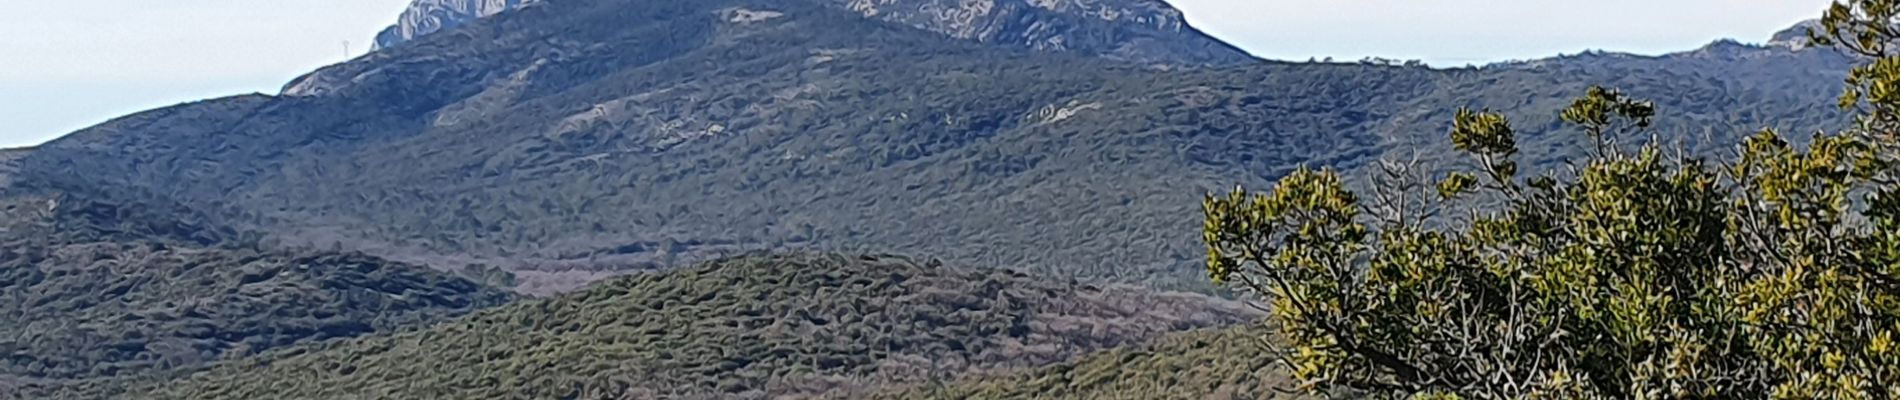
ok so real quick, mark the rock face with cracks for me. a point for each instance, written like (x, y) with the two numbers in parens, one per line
(1147, 31)
(430, 16)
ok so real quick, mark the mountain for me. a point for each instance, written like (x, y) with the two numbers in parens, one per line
(1795, 37)
(290, 245)
(579, 139)
(430, 16)
(1148, 31)
(771, 326)
(97, 291)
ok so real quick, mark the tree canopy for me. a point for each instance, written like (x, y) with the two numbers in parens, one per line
(1635, 272)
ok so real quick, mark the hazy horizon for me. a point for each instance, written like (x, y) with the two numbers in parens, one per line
(92, 60)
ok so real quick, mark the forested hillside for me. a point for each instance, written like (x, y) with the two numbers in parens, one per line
(1226, 364)
(94, 291)
(579, 139)
(748, 327)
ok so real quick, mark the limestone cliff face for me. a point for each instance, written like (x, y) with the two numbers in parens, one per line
(1795, 37)
(1147, 31)
(1134, 30)
(429, 16)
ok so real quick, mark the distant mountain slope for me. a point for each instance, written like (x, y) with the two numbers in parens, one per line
(750, 327)
(579, 139)
(95, 291)
(1130, 30)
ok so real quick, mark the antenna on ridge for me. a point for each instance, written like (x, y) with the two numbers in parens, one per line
(346, 49)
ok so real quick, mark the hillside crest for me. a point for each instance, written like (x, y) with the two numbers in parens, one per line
(1149, 31)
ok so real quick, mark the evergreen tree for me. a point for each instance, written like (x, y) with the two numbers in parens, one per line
(1635, 273)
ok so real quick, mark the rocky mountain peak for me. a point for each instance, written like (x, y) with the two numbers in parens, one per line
(424, 17)
(1132, 30)
(1796, 36)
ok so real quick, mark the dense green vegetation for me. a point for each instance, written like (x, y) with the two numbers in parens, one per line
(1229, 363)
(749, 327)
(106, 309)
(92, 291)
(583, 137)
(1650, 273)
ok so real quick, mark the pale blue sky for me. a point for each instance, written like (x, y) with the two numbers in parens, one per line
(68, 64)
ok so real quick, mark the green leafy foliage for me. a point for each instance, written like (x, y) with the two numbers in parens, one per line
(1631, 275)
(749, 327)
